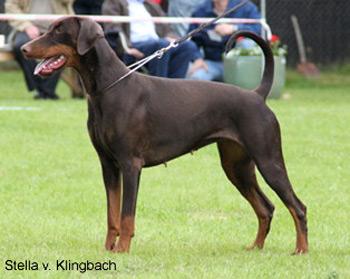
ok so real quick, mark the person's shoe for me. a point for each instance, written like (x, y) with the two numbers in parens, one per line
(53, 96)
(39, 96)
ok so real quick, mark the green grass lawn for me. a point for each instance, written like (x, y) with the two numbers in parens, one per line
(191, 223)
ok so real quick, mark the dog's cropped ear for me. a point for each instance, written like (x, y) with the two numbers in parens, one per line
(89, 32)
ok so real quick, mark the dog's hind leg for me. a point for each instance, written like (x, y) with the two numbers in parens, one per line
(240, 170)
(265, 145)
(275, 174)
(112, 181)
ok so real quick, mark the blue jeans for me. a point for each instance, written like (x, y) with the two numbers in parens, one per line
(216, 68)
(215, 71)
(173, 64)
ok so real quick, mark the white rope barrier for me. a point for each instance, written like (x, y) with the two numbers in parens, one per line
(126, 19)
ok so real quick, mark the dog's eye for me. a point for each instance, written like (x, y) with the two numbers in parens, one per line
(58, 29)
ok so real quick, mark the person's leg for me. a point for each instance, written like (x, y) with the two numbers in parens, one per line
(128, 59)
(27, 65)
(84, 7)
(180, 59)
(80, 7)
(48, 86)
(156, 67)
(215, 72)
(245, 43)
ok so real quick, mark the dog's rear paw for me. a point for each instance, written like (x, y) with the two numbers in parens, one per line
(255, 246)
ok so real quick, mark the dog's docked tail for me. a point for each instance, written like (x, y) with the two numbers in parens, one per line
(267, 79)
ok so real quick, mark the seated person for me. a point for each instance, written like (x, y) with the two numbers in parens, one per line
(29, 30)
(182, 8)
(142, 38)
(213, 39)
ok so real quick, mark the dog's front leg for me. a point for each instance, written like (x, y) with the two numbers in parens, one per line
(111, 177)
(131, 178)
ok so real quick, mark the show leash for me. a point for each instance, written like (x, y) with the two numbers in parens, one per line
(137, 65)
(159, 53)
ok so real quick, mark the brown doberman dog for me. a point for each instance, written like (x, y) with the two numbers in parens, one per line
(143, 121)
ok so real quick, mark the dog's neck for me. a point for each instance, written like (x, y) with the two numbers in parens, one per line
(100, 67)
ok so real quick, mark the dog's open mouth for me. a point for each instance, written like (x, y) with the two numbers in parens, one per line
(47, 66)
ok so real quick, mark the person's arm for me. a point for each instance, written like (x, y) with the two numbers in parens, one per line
(225, 29)
(17, 7)
(162, 30)
(115, 8)
(251, 11)
(68, 6)
(117, 38)
(199, 38)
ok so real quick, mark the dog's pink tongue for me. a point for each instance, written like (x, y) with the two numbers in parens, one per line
(47, 66)
(43, 67)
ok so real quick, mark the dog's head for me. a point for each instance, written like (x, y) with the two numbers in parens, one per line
(66, 40)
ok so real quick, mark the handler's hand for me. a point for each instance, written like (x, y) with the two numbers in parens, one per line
(197, 65)
(32, 32)
(170, 39)
(135, 52)
(225, 29)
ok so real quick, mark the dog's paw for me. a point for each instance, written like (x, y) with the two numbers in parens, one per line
(110, 241)
(119, 248)
(122, 245)
(300, 251)
(109, 246)
(255, 246)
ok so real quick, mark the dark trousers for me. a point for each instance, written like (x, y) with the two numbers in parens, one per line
(87, 7)
(45, 87)
(173, 64)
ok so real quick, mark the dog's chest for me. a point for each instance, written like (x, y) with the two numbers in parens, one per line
(102, 130)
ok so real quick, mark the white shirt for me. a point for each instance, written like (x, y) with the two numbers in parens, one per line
(141, 30)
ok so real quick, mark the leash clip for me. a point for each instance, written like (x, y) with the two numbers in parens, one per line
(161, 52)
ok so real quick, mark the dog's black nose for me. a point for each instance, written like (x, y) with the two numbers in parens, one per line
(26, 48)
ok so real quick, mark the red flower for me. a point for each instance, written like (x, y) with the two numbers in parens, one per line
(274, 39)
